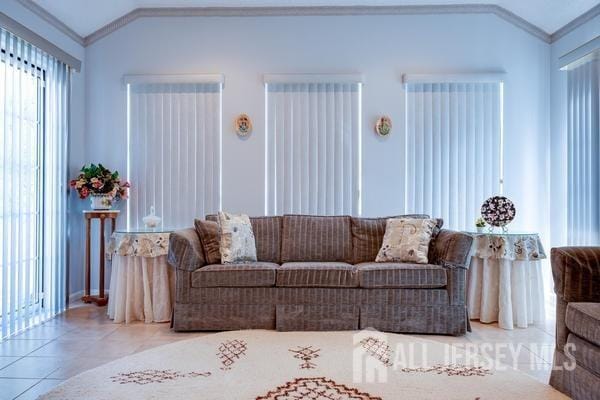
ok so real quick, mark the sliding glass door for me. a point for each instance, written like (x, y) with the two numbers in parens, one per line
(34, 109)
(21, 126)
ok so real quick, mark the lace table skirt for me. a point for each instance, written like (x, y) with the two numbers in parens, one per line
(141, 289)
(505, 280)
(510, 292)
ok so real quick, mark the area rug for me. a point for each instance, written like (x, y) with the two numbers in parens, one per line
(269, 365)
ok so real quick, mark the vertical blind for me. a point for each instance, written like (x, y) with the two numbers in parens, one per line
(583, 175)
(453, 148)
(34, 102)
(174, 151)
(313, 148)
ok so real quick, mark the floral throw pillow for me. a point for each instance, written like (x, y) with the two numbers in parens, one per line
(406, 240)
(237, 239)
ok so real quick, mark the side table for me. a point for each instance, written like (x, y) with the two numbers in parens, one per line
(504, 281)
(142, 286)
(102, 215)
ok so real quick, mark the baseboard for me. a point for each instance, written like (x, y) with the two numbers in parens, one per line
(75, 297)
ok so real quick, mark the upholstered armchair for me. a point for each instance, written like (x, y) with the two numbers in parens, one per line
(576, 370)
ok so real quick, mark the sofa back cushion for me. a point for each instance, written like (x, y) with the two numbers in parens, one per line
(367, 235)
(267, 235)
(316, 238)
(208, 231)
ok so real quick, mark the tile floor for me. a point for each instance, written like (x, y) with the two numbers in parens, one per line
(83, 338)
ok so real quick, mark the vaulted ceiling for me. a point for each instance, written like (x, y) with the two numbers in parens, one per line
(87, 16)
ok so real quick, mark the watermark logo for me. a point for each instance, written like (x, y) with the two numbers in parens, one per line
(371, 357)
(375, 355)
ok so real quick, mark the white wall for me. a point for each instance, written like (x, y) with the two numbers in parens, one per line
(77, 154)
(380, 47)
(558, 119)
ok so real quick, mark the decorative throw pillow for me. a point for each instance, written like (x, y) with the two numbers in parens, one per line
(210, 239)
(237, 239)
(406, 240)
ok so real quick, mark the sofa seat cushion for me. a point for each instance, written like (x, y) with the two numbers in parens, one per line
(399, 275)
(583, 319)
(317, 274)
(585, 353)
(255, 274)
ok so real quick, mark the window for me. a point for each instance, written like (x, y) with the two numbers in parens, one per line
(33, 135)
(20, 202)
(453, 146)
(174, 148)
(583, 173)
(313, 145)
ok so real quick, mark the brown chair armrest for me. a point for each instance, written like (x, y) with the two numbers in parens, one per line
(576, 272)
(185, 250)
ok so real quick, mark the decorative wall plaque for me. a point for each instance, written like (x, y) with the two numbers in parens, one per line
(383, 127)
(243, 125)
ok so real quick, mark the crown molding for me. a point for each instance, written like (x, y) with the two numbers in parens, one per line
(30, 36)
(316, 11)
(576, 23)
(52, 20)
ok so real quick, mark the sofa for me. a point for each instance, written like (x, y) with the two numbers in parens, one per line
(318, 273)
(576, 369)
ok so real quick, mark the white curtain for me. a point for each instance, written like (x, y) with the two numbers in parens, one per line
(34, 112)
(453, 149)
(583, 122)
(174, 151)
(313, 148)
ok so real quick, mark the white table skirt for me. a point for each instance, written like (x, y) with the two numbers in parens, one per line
(508, 291)
(141, 289)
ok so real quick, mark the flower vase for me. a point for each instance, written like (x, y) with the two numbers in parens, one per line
(101, 201)
(479, 229)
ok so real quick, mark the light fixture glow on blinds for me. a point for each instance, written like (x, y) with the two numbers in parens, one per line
(453, 148)
(174, 148)
(313, 147)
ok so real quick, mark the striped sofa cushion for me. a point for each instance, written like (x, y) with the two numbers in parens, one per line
(317, 274)
(367, 236)
(583, 319)
(267, 235)
(316, 238)
(255, 274)
(398, 275)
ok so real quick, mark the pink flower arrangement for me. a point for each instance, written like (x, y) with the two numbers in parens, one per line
(95, 179)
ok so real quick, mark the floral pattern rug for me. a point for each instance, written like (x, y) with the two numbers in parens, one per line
(269, 365)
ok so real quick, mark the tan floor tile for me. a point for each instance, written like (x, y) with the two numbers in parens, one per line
(544, 351)
(44, 331)
(16, 348)
(137, 331)
(89, 332)
(540, 372)
(63, 348)
(44, 386)
(31, 367)
(11, 388)
(150, 344)
(75, 366)
(4, 361)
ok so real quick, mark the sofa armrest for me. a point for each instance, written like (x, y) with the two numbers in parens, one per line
(451, 249)
(576, 272)
(185, 250)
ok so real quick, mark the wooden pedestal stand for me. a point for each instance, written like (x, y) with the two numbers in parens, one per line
(89, 215)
